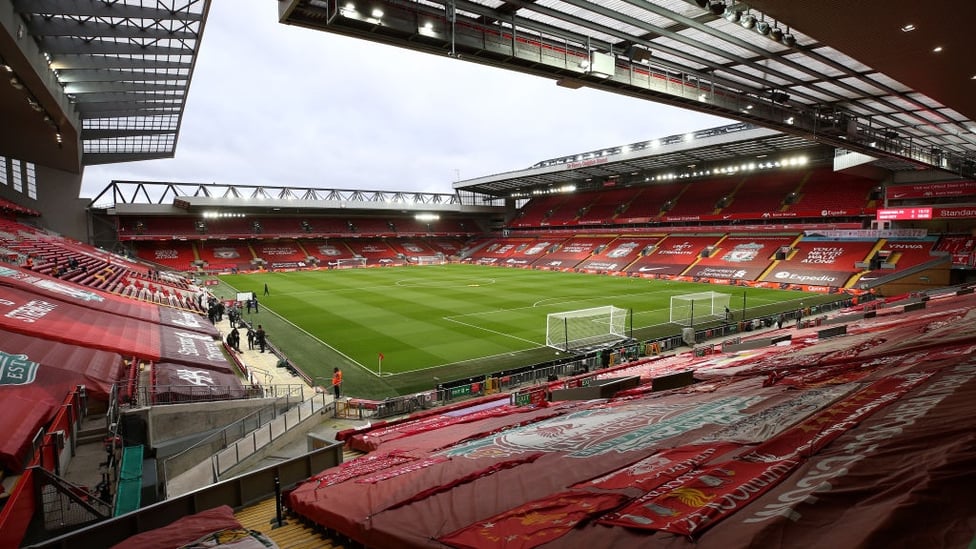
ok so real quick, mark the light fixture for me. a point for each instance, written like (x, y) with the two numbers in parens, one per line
(377, 13)
(16, 83)
(937, 49)
(776, 34)
(748, 21)
(717, 7)
(908, 28)
(788, 39)
(762, 27)
(732, 15)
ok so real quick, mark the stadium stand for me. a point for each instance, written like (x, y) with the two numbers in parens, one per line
(281, 254)
(225, 255)
(673, 255)
(859, 420)
(759, 194)
(741, 257)
(619, 253)
(702, 198)
(649, 202)
(822, 262)
(962, 249)
(569, 253)
(826, 193)
(606, 205)
(376, 251)
(178, 255)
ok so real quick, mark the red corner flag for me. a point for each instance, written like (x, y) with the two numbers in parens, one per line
(381, 356)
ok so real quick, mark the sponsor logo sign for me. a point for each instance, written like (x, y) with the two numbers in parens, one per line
(17, 369)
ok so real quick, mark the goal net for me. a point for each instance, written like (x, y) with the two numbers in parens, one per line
(582, 328)
(429, 259)
(689, 309)
(348, 262)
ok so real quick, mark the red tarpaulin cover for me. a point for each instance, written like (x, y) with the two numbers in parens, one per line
(53, 288)
(35, 377)
(763, 454)
(179, 383)
(39, 316)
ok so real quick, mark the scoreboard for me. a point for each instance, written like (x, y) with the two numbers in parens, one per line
(895, 214)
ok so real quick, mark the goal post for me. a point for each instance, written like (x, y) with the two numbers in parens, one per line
(689, 309)
(349, 262)
(582, 328)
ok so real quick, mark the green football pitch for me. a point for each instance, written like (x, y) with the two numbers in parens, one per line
(452, 321)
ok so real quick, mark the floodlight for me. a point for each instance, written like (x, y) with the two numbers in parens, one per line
(762, 28)
(732, 15)
(748, 21)
(776, 34)
(717, 7)
(788, 39)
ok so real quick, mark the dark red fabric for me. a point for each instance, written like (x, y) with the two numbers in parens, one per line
(881, 451)
(35, 315)
(51, 288)
(35, 377)
(184, 530)
(181, 383)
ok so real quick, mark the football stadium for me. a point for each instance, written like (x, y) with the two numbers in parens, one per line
(757, 334)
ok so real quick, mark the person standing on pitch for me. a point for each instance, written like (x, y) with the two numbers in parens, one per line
(336, 381)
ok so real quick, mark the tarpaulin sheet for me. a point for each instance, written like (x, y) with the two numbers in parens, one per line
(181, 383)
(884, 457)
(35, 377)
(31, 314)
(51, 288)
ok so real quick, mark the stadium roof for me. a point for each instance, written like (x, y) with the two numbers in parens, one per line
(893, 81)
(112, 75)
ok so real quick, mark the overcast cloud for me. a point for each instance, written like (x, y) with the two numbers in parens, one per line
(271, 104)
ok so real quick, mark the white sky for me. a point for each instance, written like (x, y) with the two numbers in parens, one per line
(271, 104)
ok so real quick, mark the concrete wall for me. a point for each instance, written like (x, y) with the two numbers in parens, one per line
(178, 421)
(57, 200)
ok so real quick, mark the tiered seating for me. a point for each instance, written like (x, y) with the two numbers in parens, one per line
(169, 227)
(536, 212)
(225, 254)
(176, 254)
(822, 262)
(673, 255)
(281, 226)
(763, 193)
(376, 251)
(895, 255)
(12, 208)
(701, 198)
(374, 227)
(571, 252)
(606, 205)
(619, 253)
(570, 209)
(741, 257)
(281, 254)
(327, 252)
(447, 246)
(231, 226)
(962, 249)
(411, 247)
(649, 202)
(828, 194)
(500, 252)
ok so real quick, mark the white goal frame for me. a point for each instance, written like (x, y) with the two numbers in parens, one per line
(350, 262)
(582, 328)
(429, 259)
(691, 309)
